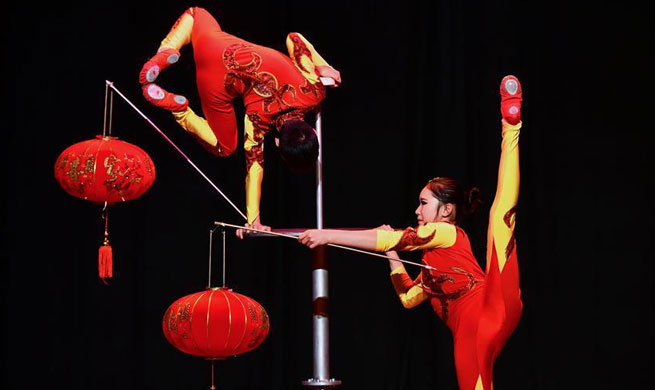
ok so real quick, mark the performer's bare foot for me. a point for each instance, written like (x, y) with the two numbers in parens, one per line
(511, 96)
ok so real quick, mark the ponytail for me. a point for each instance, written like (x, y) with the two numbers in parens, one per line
(473, 202)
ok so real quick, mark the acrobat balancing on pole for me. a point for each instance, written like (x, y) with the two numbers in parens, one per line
(277, 91)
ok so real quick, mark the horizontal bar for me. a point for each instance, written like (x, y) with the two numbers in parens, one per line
(295, 232)
(224, 225)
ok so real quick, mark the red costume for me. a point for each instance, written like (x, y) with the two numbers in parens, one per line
(482, 309)
(274, 88)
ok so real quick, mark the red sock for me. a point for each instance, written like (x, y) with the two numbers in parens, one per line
(510, 99)
(161, 98)
(156, 64)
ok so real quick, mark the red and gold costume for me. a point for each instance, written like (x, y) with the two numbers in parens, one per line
(274, 88)
(481, 309)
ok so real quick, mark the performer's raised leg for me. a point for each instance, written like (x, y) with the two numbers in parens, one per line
(501, 308)
(501, 245)
(167, 54)
(217, 133)
(209, 43)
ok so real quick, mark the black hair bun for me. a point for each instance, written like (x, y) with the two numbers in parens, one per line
(473, 201)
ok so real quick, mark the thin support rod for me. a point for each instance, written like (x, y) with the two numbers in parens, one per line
(223, 224)
(223, 257)
(104, 118)
(111, 85)
(111, 110)
(211, 239)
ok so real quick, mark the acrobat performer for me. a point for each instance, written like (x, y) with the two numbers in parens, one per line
(277, 92)
(482, 309)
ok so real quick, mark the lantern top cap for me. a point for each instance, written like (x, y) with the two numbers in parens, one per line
(219, 288)
(106, 137)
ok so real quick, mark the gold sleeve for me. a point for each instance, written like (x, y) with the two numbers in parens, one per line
(304, 56)
(254, 149)
(180, 34)
(431, 235)
(410, 294)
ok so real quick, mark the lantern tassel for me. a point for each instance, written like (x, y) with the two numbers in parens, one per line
(212, 387)
(105, 261)
(105, 255)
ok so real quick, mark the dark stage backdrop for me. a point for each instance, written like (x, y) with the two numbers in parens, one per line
(419, 99)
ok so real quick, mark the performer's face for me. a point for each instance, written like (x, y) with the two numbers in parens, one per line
(428, 207)
(431, 209)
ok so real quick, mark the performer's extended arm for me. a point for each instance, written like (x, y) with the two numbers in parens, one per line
(254, 151)
(428, 236)
(431, 235)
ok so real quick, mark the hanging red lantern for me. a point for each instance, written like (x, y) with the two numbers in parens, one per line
(105, 170)
(215, 324)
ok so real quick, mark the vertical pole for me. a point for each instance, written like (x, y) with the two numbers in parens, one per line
(320, 276)
(320, 301)
(319, 172)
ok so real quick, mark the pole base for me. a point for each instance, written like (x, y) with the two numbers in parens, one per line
(321, 383)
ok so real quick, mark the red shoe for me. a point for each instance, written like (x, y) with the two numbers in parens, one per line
(156, 64)
(511, 96)
(161, 98)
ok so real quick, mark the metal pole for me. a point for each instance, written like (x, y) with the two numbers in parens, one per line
(320, 301)
(319, 172)
(320, 276)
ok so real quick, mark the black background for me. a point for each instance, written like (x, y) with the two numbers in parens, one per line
(419, 99)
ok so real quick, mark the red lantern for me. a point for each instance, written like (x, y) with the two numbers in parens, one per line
(105, 169)
(215, 324)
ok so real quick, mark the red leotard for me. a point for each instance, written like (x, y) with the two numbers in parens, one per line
(274, 88)
(482, 309)
(227, 67)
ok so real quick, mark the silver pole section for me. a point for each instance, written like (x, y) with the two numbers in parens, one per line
(319, 172)
(320, 276)
(320, 302)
